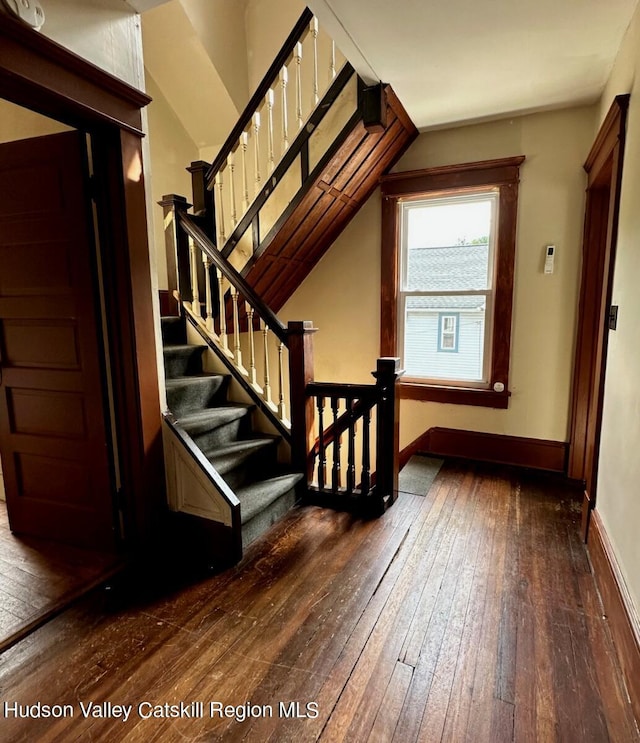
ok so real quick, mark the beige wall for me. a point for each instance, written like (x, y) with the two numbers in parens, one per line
(619, 466)
(20, 123)
(105, 32)
(171, 151)
(342, 295)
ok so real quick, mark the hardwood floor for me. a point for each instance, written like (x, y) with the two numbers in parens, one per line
(466, 615)
(38, 578)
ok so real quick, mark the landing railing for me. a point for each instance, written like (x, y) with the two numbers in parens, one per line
(331, 428)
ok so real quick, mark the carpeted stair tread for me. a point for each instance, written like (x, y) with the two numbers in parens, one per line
(210, 418)
(257, 496)
(227, 458)
(188, 394)
(182, 360)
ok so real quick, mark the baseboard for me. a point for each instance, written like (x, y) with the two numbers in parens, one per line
(618, 607)
(490, 447)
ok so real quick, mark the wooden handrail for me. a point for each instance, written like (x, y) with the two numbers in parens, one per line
(208, 247)
(245, 118)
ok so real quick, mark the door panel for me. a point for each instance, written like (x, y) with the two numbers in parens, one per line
(53, 438)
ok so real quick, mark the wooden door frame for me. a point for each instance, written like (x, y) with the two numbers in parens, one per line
(604, 180)
(41, 75)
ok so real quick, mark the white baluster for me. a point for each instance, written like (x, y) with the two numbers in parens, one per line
(332, 62)
(282, 410)
(195, 291)
(256, 142)
(266, 390)
(244, 143)
(313, 27)
(269, 98)
(232, 188)
(297, 55)
(221, 230)
(224, 339)
(284, 80)
(252, 347)
(236, 330)
(208, 295)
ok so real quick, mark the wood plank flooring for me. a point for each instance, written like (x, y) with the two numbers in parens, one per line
(38, 578)
(468, 614)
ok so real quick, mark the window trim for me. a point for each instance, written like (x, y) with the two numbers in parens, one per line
(502, 174)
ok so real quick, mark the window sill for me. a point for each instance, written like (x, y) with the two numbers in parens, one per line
(487, 398)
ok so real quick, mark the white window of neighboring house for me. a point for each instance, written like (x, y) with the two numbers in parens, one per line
(447, 246)
(448, 257)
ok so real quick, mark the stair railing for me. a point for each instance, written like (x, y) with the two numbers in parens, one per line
(343, 471)
(274, 363)
(269, 145)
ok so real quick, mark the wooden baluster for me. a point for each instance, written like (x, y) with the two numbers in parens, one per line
(224, 339)
(297, 55)
(335, 471)
(282, 408)
(313, 27)
(208, 294)
(221, 228)
(232, 188)
(176, 246)
(332, 62)
(252, 347)
(365, 484)
(351, 456)
(269, 101)
(244, 144)
(266, 390)
(195, 289)
(237, 351)
(256, 149)
(284, 80)
(322, 452)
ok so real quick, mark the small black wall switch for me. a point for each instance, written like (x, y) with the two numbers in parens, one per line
(613, 317)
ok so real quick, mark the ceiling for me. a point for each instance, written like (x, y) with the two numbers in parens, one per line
(454, 61)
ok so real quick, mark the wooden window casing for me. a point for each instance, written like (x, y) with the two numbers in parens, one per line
(452, 180)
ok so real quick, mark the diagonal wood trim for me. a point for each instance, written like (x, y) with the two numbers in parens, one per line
(618, 607)
(489, 447)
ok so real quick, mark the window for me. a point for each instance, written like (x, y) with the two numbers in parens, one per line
(447, 332)
(447, 279)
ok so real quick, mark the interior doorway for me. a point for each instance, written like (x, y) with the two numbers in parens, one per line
(58, 521)
(604, 171)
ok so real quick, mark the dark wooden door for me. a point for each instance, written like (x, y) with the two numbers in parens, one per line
(53, 433)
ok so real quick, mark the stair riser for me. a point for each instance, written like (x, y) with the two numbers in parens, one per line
(223, 434)
(266, 518)
(264, 461)
(189, 398)
(174, 332)
(183, 363)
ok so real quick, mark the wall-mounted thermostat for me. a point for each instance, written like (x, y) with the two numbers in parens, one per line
(28, 11)
(549, 257)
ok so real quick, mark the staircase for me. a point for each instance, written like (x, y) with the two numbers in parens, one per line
(222, 430)
(261, 220)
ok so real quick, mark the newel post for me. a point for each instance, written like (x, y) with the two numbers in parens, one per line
(387, 374)
(176, 246)
(203, 199)
(300, 335)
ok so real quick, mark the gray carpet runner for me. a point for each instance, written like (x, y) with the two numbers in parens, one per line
(222, 430)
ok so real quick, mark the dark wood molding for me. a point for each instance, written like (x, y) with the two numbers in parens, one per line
(604, 174)
(168, 304)
(502, 173)
(489, 447)
(618, 607)
(486, 398)
(40, 74)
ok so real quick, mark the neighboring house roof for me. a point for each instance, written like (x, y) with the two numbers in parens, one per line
(442, 304)
(452, 268)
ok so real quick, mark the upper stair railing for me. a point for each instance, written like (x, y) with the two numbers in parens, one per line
(269, 154)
